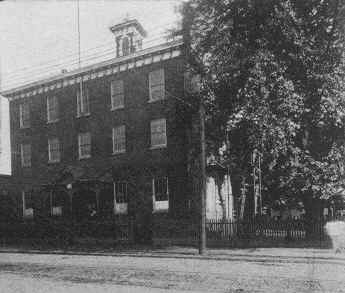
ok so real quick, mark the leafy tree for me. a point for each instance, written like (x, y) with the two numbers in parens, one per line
(273, 80)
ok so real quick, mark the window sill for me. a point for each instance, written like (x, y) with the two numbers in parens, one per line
(52, 121)
(24, 127)
(160, 211)
(156, 147)
(153, 101)
(53, 162)
(85, 157)
(83, 115)
(118, 153)
(117, 108)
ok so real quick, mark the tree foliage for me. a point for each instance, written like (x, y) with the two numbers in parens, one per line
(273, 78)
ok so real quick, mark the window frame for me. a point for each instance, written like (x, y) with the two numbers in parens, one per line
(80, 146)
(152, 124)
(25, 162)
(160, 205)
(83, 100)
(161, 84)
(51, 141)
(120, 207)
(119, 128)
(28, 213)
(24, 115)
(55, 109)
(113, 94)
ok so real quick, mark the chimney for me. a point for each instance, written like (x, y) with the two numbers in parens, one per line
(129, 35)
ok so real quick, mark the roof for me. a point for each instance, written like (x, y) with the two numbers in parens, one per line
(150, 55)
(127, 23)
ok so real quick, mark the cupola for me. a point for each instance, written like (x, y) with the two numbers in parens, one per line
(129, 36)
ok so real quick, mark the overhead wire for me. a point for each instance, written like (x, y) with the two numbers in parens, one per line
(86, 59)
(165, 32)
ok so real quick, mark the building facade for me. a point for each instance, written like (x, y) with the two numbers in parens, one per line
(108, 139)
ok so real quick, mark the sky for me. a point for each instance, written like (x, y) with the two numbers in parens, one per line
(40, 38)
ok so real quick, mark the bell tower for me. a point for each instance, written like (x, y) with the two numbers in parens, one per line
(129, 35)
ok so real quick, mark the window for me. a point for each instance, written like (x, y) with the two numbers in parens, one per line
(160, 193)
(83, 104)
(117, 94)
(52, 109)
(84, 145)
(53, 150)
(125, 46)
(119, 139)
(24, 115)
(120, 197)
(158, 133)
(156, 84)
(27, 201)
(25, 151)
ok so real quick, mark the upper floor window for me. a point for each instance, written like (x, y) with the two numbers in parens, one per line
(83, 103)
(119, 139)
(25, 153)
(84, 145)
(158, 133)
(24, 115)
(157, 85)
(52, 109)
(160, 193)
(117, 94)
(53, 150)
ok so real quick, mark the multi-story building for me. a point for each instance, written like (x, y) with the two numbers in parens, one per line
(107, 138)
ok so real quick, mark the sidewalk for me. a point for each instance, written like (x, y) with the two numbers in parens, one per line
(259, 254)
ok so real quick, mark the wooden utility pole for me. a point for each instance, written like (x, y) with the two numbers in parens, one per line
(202, 236)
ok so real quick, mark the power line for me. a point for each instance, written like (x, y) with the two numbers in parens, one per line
(47, 68)
(74, 54)
(92, 57)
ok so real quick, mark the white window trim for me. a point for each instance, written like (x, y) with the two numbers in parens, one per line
(164, 206)
(122, 151)
(112, 107)
(49, 151)
(159, 146)
(81, 157)
(49, 120)
(150, 91)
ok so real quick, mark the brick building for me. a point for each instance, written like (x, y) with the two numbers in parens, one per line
(106, 139)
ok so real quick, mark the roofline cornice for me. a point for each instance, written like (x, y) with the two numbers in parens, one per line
(143, 57)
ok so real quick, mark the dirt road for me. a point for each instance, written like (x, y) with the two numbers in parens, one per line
(237, 273)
